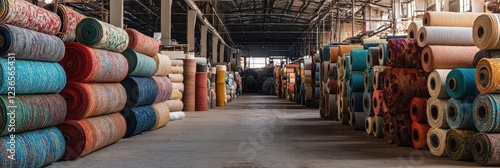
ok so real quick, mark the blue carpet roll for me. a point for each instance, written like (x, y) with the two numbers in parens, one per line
(461, 83)
(460, 114)
(139, 119)
(357, 82)
(487, 113)
(356, 102)
(140, 91)
(367, 103)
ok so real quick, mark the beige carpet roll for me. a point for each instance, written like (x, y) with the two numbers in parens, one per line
(178, 86)
(178, 78)
(176, 95)
(450, 19)
(163, 64)
(436, 113)
(447, 57)
(436, 83)
(162, 114)
(177, 62)
(488, 75)
(436, 140)
(342, 88)
(174, 105)
(308, 64)
(486, 32)
(477, 6)
(373, 40)
(440, 35)
(413, 29)
(308, 73)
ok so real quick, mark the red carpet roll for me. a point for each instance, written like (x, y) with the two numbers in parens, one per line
(400, 85)
(189, 85)
(88, 135)
(201, 96)
(418, 109)
(403, 53)
(27, 15)
(142, 43)
(291, 88)
(86, 100)
(69, 18)
(85, 64)
(164, 88)
(419, 135)
(378, 103)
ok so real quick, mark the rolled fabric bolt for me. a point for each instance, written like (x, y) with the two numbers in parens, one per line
(459, 144)
(488, 76)
(443, 19)
(368, 77)
(369, 122)
(448, 36)
(436, 112)
(382, 53)
(436, 83)
(419, 135)
(413, 29)
(371, 58)
(485, 149)
(378, 103)
(486, 112)
(377, 79)
(485, 54)
(485, 32)
(367, 103)
(358, 59)
(461, 83)
(436, 141)
(460, 114)
(378, 125)
(447, 57)
(418, 108)
(356, 82)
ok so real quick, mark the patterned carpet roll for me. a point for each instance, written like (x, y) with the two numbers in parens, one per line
(85, 64)
(142, 43)
(401, 85)
(488, 76)
(139, 64)
(485, 54)
(201, 102)
(459, 144)
(27, 15)
(378, 125)
(460, 114)
(403, 53)
(140, 91)
(139, 119)
(162, 113)
(97, 34)
(69, 18)
(378, 103)
(189, 94)
(486, 149)
(164, 86)
(486, 111)
(85, 100)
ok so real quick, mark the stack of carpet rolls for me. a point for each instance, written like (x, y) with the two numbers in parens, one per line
(308, 81)
(268, 86)
(328, 105)
(221, 85)
(372, 42)
(317, 78)
(372, 52)
(301, 78)
(277, 81)
(30, 105)
(177, 78)
(298, 95)
(344, 75)
(230, 87)
(355, 83)
(290, 82)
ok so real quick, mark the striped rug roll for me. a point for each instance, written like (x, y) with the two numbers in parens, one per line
(162, 113)
(27, 15)
(176, 95)
(175, 105)
(98, 34)
(85, 64)
(30, 45)
(164, 90)
(88, 135)
(189, 94)
(176, 78)
(69, 19)
(85, 100)
(140, 91)
(178, 86)
(139, 119)
(32, 149)
(142, 43)
(32, 77)
(163, 64)
(28, 110)
(201, 102)
(139, 64)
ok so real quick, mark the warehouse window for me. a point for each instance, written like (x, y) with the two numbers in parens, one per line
(256, 62)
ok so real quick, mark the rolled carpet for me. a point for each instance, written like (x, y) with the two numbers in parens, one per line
(189, 94)
(85, 100)
(403, 53)
(28, 148)
(446, 36)
(174, 105)
(69, 19)
(201, 98)
(488, 76)
(459, 144)
(436, 112)
(486, 149)
(461, 83)
(23, 113)
(436, 83)
(176, 69)
(334, 54)
(372, 56)
(177, 63)
(413, 29)
(485, 54)
(142, 43)
(343, 112)
(403, 136)
(333, 106)
(419, 135)
(356, 102)
(85, 64)
(378, 125)
(377, 77)
(401, 85)
(449, 19)
(369, 123)
(31, 77)
(98, 34)
(485, 32)
(164, 90)
(367, 103)
(179, 115)
(139, 119)
(139, 64)
(358, 59)
(460, 114)
(30, 16)
(358, 121)
(348, 71)
(436, 141)
(418, 109)
(447, 57)
(346, 49)
(162, 113)
(378, 103)
(140, 91)
(88, 135)
(382, 53)
(221, 87)
(333, 88)
(178, 86)
(176, 78)
(367, 80)
(389, 127)
(486, 112)
(163, 64)
(356, 82)
(30, 45)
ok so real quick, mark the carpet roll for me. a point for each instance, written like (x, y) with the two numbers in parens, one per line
(356, 82)
(418, 109)
(348, 71)
(378, 103)
(419, 135)
(163, 65)
(488, 76)
(459, 144)
(291, 89)
(343, 116)
(358, 59)
(436, 112)
(176, 95)
(485, 32)
(30, 16)
(139, 119)
(69, 19)
(221, 88)
(401, 85)
(382, 53)
(317, 91)
(485, 151)
(461, 83)
(372, 56)
(485, 54)
(413, 29)
(358, 121)
(175, 105)
(29, 147)
(368, 77)
(179, 115)
(325, 53)
(177, 78)
(367, 103)
(436, 83)
(460, 114)
(346, 49)
(88, 135)
(446, 36)
(449, 19)
(332, 106)
(30, 45)
(403, 53)
(23, 113)
(202, 68)
(139, 64)
(164, 90)
(403, 136)
(85, 100)
(141, 43)
(377, 77)
(176, 69)
(162, 113)
(178, 86)
(213, 98)
(31, 77)
(97, 34)
(334, 54)
(140, 91)
(447, 57)
(356, 102)
(333, 89)
(436, 141)
(189, 94)
(325, 73)
(389, 127)
(378, 125)
(369, 123)
(309, 93)
(181, 63)
(486, 109)
(85, 64)
(201, 98)
(317, 67)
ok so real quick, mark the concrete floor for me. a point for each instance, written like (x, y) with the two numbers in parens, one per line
(258, 131)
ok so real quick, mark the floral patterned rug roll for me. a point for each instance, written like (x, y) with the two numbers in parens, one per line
(486, 149)
(459, 144)
(400, 85)
(27, 15)
(70, 19)
(403, 53)
(142, 43)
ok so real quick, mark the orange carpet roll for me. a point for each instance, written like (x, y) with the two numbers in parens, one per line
(419, 135)
(418, 109)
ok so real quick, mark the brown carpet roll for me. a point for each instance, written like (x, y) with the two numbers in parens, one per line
(486, 32)
(190, 84)
(447, 57)
(485, 54)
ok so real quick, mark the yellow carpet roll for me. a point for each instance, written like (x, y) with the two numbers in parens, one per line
(488, 75)
(221, 94)
(176, 95)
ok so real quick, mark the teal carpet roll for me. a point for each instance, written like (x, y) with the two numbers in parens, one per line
(358, 59)
(460, 114)
(382, 53)
(347, 64)
(97, 34)
(487, 113)
(357, 82)
(139, 64)
(368, 79)
(461, 83)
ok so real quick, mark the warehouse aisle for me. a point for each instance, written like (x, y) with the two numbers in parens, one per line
(257, 131)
